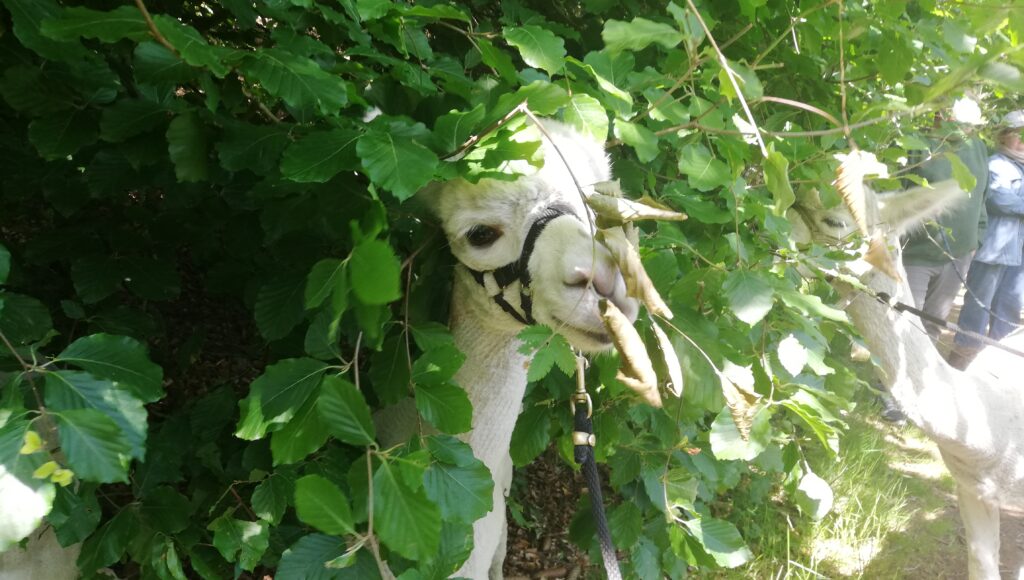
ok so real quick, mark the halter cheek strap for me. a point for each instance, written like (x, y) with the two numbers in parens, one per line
(518, 270)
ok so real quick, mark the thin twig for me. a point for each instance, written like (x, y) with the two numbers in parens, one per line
(686, 75)
(153, 29)
(800, 105)
(474, 139)
(11, 348)
(732, 78)
(382, 566)
(816, 133)
(792, 26)
(842, 80)
(242, 503)
(259, 105)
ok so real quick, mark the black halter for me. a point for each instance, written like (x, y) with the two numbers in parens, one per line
(519, 270)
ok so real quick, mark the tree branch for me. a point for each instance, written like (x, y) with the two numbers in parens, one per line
(153, 29)
(732, 78)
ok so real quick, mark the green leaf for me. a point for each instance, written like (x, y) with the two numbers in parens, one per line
(437, 365)
(373, 9)
(776, 175)
(123, 22)
(747, 79)
(30, 90)
(68, 390)
(279, 392)
(531, 435)
(345, 411)
(964, 178)
(130, 117)
(539, 47)
(638, 35)
(325, 278)
(303, 434)
(396, 163)
(118, 358)
(727, 443)
(271, 498)
(720, 539)
(703, 172)
(808, 304)
(154, 64)
(497, 59)
(446, 406)
(307, 558)
(320, 503)
(448, 449)
(319, 156)
(188, 147)
(455, 128)
(63, 133)
(587, 115)
(750, 295)
(253, 147)
(296, 80)
(375, 273)
(640, 138)
(462, 492)
(27, 15)
(23, 319)
(556, 350)
(814, 496)
(390, 373)
(191, 45)
(247, 540)
(93, 445)
(166, 510)
(408, 523)
(109, 543)
(280, 305)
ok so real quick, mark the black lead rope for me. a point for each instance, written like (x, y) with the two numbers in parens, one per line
(901, 307)
(583, 452)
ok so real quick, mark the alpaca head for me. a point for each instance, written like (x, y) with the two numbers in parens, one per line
(526, 249)
(882, 217)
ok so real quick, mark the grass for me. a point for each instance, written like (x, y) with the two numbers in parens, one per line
(894, 514)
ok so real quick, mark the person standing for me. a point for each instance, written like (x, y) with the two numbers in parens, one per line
(937, 258)
(995, 283)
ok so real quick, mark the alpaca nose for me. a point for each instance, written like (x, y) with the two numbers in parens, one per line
(601, 273)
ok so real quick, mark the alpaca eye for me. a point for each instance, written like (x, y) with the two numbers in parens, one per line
(483, 236)
(833, 223)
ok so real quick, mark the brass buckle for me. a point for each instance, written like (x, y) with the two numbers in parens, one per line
(581, 395)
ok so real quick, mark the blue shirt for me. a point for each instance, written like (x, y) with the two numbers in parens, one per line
(1004, 240)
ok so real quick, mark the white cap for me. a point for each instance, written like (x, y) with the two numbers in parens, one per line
(967, 111)
(1013, 120)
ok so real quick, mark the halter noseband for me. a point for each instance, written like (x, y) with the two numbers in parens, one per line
(519, 270)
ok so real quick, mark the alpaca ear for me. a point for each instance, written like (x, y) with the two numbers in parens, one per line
(429, 197)
(905, 210)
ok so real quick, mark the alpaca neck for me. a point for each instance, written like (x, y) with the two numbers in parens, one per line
(916, 374)
(493, 375)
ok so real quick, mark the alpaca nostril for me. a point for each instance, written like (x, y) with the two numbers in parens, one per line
(578, 278)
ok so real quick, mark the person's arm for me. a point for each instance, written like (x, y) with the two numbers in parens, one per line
(1005, 195)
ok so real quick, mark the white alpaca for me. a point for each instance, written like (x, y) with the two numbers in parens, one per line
(487, 225)
(976, 421)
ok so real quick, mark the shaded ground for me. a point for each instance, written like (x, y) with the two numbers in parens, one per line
(540, 510)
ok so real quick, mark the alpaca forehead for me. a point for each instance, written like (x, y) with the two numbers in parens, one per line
(490, 202)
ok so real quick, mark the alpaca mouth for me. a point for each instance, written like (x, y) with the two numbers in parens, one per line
(599, 337)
